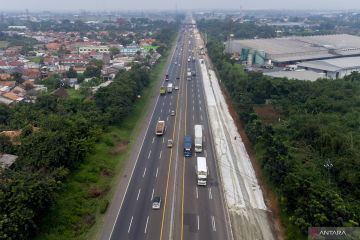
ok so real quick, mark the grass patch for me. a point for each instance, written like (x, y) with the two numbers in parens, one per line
(88, 191)
(4, 44)
(74, 93)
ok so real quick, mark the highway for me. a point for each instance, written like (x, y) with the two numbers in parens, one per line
(187, 211)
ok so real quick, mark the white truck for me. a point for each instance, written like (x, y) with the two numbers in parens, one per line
(188, 76)
(198, 138)
(169, 87)
(201, 171)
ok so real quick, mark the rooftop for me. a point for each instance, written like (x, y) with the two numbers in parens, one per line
(302, 48)
(333, 65)
(6, 160)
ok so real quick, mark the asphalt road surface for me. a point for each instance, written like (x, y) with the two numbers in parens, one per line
(187, 211)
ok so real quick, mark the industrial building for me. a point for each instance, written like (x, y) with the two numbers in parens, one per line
(291, 50)
(333, 68)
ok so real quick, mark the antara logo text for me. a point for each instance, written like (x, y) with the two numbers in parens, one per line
(316, 232)
(332, 233)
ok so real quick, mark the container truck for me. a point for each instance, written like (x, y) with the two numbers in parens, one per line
(169, 87)
(201, 171)
(198, 138)
(160, 128)
(187, 146)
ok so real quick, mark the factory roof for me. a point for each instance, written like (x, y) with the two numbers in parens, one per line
(333, 65)
(298, 48)
(298, 75)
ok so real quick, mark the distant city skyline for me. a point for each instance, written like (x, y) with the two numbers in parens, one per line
(93, 5)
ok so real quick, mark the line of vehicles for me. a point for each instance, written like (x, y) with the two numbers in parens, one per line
(201, 166)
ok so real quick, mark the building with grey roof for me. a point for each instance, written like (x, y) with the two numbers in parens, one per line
(6, 160)
(333, 68)
(290, 50)
(297, 75)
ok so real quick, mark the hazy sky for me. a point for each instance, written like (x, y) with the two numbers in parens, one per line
(170, 4)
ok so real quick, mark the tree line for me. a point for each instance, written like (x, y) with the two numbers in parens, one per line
(57, 136)
(310, 152)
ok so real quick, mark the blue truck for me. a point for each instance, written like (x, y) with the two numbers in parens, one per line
(187, 146)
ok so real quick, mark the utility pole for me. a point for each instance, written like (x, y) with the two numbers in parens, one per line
(328, 165)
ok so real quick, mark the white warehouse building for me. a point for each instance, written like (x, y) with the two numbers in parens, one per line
(333, 68)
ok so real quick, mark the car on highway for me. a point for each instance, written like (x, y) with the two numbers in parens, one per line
(156, 202)
(172, 113)
(169, 143)
(176, 87)
(177, 78)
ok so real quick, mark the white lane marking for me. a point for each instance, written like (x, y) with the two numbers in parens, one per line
(153, 140)
(144, 172)
(163, 140)
(200, 109)
(205, 153)
(194, 108)
(137, 198)
(132, 217)
(193, 102)
(159, 118)
(147, 220)
(157, 170)
(198, 222)
(193, 118)
(201, 117)
(213, 223)
(149, 154)
(170, 104)
(161, 110)
(160, 154)
(167, 118)
(197, 193)
(136, 162)
(210, 195)
(152, 194)
(163, 103)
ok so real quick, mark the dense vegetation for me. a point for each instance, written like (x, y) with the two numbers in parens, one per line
(57, 137)
(309, 144)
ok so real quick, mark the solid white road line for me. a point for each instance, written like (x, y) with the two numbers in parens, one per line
(197, 193)
(213, 223)
(149, 154)
(157, 170)
(147, 220)
(160, 154)
(152, 195)
(210, 195)
(132, 217)
(137, 198)
(198, 222)
(144, 172)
